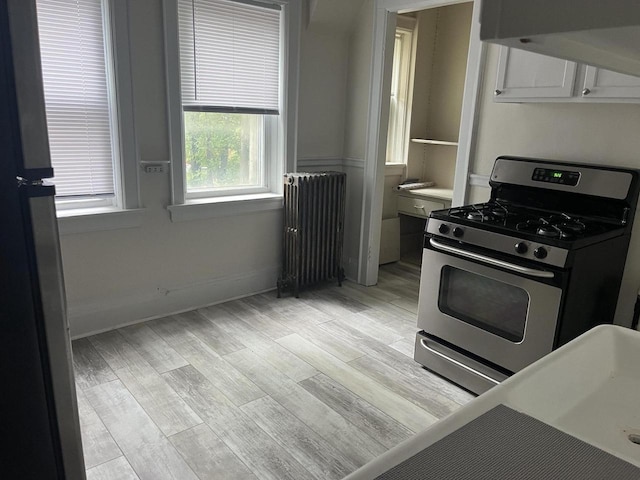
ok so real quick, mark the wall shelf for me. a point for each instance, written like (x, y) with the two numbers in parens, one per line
(434, 142)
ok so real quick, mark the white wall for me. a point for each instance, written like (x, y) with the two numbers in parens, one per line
(447, 87)
(359, 79)
(356, 118)
(426, 30)
(323, 90)
(441, 60)
(122, 276)
(589, 133)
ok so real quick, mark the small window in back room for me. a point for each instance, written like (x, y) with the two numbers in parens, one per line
(398, 134)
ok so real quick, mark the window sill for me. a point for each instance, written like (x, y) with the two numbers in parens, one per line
(203, 208)
(83, 220)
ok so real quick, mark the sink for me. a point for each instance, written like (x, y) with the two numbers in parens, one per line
(589, 388)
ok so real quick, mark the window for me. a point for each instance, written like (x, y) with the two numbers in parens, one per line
(230, 64)
(83, 122)
(398, 134)
(232, 58)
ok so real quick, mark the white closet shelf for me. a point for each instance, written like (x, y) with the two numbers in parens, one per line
(434, 142)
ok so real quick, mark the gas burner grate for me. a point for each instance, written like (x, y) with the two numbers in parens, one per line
(563, 227)
(544, 224)
(492, 212)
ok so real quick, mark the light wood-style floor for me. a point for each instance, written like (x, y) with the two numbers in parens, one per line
(260, 388)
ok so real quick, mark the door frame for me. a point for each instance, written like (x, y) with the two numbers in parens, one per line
(384, 18)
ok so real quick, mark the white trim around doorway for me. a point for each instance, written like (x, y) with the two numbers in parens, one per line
(373, 188)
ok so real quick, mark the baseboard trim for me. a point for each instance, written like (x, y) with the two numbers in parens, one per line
(108, 314)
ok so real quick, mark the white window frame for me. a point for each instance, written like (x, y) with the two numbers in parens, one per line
(280, 135)
(405, 27)
(123, 137)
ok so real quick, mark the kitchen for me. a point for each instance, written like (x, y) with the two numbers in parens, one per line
(154, 265)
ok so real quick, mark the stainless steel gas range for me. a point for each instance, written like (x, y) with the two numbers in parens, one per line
(505, 282)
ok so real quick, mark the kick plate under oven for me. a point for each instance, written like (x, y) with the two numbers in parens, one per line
(468, 300)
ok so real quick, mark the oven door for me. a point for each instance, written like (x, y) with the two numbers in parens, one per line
(502, 312)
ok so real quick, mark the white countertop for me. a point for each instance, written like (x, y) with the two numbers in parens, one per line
(432, 192)
(589, 388)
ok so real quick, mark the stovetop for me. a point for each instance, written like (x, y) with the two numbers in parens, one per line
(541, 236)
(542, 211)
(538, 225)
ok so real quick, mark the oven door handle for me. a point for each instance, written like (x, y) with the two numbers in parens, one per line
(491, 261)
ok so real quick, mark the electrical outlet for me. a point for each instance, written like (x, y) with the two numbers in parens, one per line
(154, 168)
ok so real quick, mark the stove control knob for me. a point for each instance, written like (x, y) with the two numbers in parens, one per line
(521, 247)
(540, 252)
(458, 232)
(443, 228)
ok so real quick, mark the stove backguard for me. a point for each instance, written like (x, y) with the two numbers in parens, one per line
(606, 193)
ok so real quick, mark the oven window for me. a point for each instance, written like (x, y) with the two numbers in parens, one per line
(485, 303)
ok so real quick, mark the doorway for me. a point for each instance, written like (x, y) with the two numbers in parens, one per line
(454, 159)
(427, 84)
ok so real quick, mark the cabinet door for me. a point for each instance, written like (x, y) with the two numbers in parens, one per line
(601, 83)
(526, 76)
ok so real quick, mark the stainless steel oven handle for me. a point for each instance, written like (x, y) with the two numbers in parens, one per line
(457, 363)
(491, 261)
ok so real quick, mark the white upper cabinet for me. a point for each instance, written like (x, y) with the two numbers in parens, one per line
(526, 75)
(531, 77)
(601, 83)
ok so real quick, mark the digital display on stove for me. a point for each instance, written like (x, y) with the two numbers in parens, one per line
(563, 177)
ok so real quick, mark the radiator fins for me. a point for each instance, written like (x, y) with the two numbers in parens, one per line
(314, 205)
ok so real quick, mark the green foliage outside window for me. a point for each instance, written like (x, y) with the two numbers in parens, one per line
(221, 149)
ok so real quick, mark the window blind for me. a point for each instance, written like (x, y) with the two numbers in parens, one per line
(76, 96)
(229, 55)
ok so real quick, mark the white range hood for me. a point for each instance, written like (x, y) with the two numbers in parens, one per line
(602, 33)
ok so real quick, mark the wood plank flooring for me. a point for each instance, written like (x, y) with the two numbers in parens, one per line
(260, 388)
